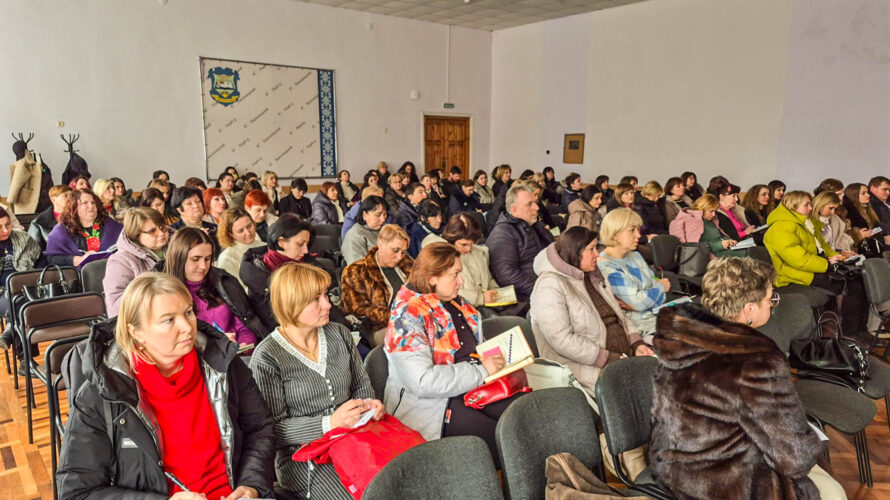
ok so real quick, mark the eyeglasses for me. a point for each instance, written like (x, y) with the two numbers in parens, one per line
(774, 300)
(157, 231)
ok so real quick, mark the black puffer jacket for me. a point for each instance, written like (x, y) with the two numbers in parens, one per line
(513, 245)
(228, 287)
(652, 213)
(89, 454)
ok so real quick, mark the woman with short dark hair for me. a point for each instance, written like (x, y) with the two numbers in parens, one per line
(362, 236)
(327, 207)
(296, 202)
(585, 211)
(428, 226)
(693, 188)
(758, 443)
(576, 319)
(84, 229)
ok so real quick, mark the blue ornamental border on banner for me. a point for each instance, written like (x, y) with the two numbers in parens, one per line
(327, 122)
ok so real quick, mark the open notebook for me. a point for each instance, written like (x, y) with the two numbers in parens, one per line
(506, 296)
(513, 347)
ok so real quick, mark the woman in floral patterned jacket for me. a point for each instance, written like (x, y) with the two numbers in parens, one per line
(431, 335)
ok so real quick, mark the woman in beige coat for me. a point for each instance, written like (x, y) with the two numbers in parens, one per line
(575, 318)
(584, 211)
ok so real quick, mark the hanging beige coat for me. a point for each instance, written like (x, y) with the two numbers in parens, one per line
(24, 185)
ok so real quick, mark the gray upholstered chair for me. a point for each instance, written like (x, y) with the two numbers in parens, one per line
(377, 367)
(451, 467)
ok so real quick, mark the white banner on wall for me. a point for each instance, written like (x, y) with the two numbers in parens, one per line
(260, 117)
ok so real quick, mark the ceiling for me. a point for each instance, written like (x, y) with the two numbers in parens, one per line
(487, 15)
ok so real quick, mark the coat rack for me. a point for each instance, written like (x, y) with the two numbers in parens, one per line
(72, 138)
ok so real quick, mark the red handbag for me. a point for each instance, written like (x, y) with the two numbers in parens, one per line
(358, 454)
(497, 389)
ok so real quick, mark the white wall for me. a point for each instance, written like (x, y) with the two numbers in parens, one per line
(752, 90)
(124, 74)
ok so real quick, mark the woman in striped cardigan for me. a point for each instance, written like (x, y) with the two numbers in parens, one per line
(311, 377)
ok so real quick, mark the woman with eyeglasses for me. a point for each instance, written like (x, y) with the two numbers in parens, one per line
(84, 229)
(757, 442)
(140, 247)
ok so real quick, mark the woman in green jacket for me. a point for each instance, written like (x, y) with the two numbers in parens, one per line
(802, 257)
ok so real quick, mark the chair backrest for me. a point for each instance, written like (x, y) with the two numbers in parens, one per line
(541, 424)
(331, 230)
(377, 367)
(72, 369)
(480, 219)
(492, 327)
(664, 249)
(16, 282)
(322, 243)
(56, 352)
(791, 320)
(624, 396)
(876, 275)
(49, 316)
(93, 273)
(760, 253)
(442, 469)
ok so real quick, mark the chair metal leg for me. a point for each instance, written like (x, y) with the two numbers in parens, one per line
(887, 407)
(15, 371)
(8, 366)
(861, 442)
(52, 438)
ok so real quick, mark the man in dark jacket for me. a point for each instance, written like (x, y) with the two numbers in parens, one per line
(452, 183)
(516, 239)
(108, 432)
(879, 187)
(464, 199)
(407, 215)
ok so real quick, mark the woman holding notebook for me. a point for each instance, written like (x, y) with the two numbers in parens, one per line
(431, 344)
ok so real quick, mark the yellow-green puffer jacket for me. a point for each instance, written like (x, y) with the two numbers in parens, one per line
(793, 248)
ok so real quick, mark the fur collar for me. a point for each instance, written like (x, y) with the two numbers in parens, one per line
(687, 334)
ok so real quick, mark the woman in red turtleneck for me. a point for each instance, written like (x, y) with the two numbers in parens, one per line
(167, 409)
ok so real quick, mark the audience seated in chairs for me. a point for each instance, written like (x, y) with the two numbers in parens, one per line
(311, 377)
(371, 283)
(802, 257)
(84, 229)
(516, 239)
(431, 334)
(696, 225)
(45, 221)
(218, 296)
(834, 228)
(726, 420)
(327, 208)
(296, 202)
(148, 373)
(478, 288)
(237, 234)
(363, 234)
(257, 204)
(585, 211)
(574, 314)
(427, 228)
(140, 247)
(631, 279)
(20, 253)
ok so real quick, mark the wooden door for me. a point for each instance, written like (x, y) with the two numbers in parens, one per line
(446, 144)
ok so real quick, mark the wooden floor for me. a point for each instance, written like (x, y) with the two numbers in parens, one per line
(25, 468)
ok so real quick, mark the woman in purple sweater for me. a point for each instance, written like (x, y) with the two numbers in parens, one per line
(84, 230)
(220, 300)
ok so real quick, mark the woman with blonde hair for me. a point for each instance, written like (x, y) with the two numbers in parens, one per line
(502, 180)
(147, 373)
(237, 234)
(394, 193)
(758, 443)
(696, 225)
(803, 258)
(270, 187)
(631, 279)
(311, 377)
(832, 228)
(104, 189)
(140, 246)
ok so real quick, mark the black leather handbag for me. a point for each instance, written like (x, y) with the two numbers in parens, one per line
(693, 259)
(836, 357)
(872, 247)
(44, 290)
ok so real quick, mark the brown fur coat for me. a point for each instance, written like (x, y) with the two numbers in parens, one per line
(726, 420)
(366, 291)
